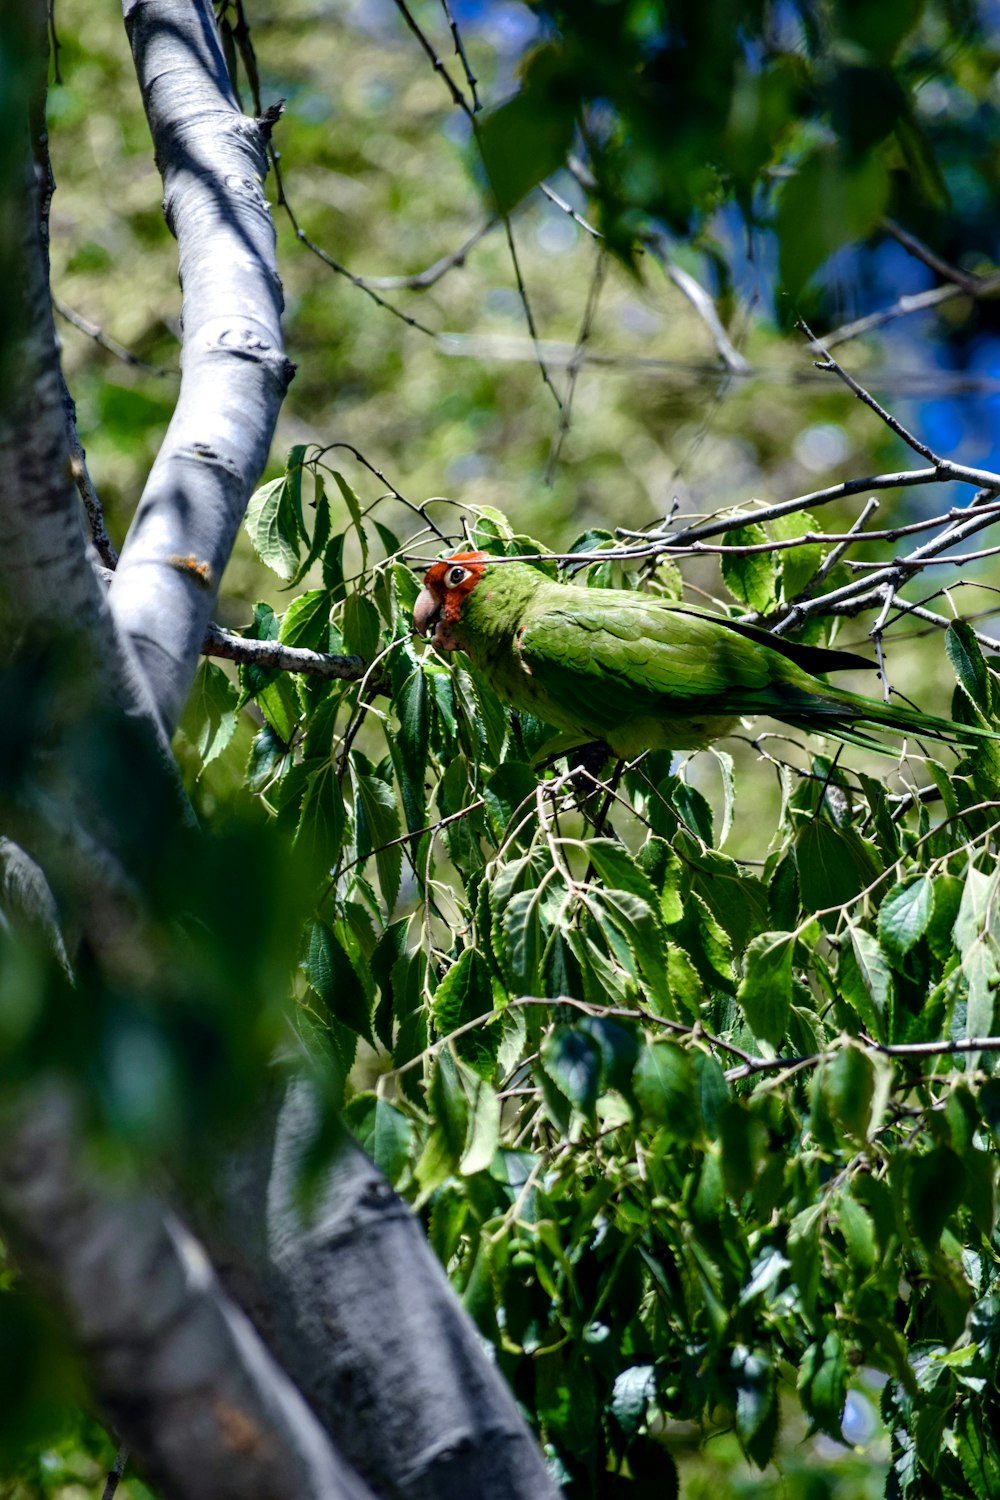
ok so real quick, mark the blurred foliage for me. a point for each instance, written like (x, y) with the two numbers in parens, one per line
(511, 981)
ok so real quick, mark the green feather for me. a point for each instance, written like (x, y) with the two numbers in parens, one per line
(642, 674)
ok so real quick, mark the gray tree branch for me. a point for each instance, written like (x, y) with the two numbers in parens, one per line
(234, 372)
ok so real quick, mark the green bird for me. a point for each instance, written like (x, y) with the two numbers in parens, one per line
(638, 673)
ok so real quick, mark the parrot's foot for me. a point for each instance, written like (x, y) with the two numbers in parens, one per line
(587, 762)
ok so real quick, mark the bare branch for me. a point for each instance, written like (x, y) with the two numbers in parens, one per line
(702, 303)
(901, 308)
(104, 341)
(962, 279)
(590, 312)
(829, 363)
(115, 1474)
(420, 281)
(219, 642)
(470, 77)
(235, 373)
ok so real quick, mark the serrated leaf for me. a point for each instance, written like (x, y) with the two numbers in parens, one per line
(273, 527)
(751, 578)
(765, 991)
(322, 821)
(381, 815)
(522, 940)
(905, 915)
(449, 1108)
(633, 1390)
(381, 1130)
(934, 1191)
(209, 720)
(798, 564)
(664, 1084)
(509, 795)
(483, 1132)
(834, 864)
(362, 627)
(336, 981)
(354, 506)
(756, 1402)
(966, 657)
(573, 1061)
(823, 1383)
(865, 980)
(842, 1092)
(638, 922)
(306, 621)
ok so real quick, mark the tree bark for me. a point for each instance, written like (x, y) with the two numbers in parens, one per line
(234, 373)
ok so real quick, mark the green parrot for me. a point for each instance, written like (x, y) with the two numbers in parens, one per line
(638, 673)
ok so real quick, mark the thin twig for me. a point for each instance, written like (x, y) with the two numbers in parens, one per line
(104, 341)
(470, 77)
(901, 308)
(920, 251)
(410, 504)
(829, 363)
(590, 312)
(420, 281)
(567, 208)
(115, 1473)
(702, 303)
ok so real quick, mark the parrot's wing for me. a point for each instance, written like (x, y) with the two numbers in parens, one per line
(613, 660)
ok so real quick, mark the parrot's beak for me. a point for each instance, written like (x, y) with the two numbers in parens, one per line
(426, 612)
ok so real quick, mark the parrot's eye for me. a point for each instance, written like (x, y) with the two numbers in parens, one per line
(455, 576)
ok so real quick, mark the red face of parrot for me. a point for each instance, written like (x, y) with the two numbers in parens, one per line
(439, 603)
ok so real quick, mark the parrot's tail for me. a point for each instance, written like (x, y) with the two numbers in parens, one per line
(862, 721)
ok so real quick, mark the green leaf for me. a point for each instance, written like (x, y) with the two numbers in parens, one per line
(467, 978)
(483, 1132)
(664, 1084)
(449, 1107)
(751, 578)
(522, 940)
(573, 1061)
(362, 627)
(382, 1131)
(834, 864)
(209, 720)
(865, 980)
(765, 991)
(823, 1383)
(827, 203)
(638, 922)
(966, 657)
(843, 1089)
(633, 1391)
(273, 527)
(617, 868)
(354, 507)
(856, 1226)
(978, 1452)
(526, 139)
(322, 821)
(509, 795)
(756, 1402)
(335, 980)
(381, 815)
(798, 565)
(306, 622)
(413, 712)
(934, 1191)
(905, 915)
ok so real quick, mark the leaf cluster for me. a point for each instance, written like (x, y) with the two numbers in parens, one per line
(688, 1135)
